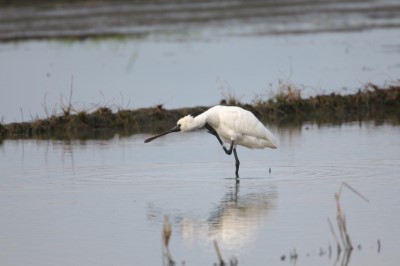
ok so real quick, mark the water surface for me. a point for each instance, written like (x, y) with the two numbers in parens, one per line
(191, 53)
(102, 202)
(141, 73)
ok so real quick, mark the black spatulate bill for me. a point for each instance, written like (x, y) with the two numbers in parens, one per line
(174, 129)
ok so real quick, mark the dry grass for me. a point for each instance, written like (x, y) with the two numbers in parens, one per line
(228, 94)
(345, 243)
(166, 234)
(287, 92)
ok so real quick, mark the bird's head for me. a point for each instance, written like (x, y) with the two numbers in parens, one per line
(186, 123)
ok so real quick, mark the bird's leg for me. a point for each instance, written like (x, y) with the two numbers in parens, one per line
(237, 163)
(229, 152)
(212, 131)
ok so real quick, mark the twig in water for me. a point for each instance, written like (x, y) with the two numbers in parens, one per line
(294, 255)
(342, 226)
(341, 218)
(379, 246)
(233, 261)
(352, 189)
(335, 237)
(166, 234)
(221, 261)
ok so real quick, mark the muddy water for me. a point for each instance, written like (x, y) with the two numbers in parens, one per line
(101, 202)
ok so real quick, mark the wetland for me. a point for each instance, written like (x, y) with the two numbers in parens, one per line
(84, 83)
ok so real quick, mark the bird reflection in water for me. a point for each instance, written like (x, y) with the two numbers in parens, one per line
(238, 218)
(235, 222)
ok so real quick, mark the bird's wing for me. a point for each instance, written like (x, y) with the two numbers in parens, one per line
(235, 123)
(246, 125)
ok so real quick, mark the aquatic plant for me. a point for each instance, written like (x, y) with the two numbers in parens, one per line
(345, 244)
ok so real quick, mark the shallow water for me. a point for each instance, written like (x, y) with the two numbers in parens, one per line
(135, 73)
(100, 202)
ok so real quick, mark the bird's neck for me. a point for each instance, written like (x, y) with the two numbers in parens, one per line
(199, 121)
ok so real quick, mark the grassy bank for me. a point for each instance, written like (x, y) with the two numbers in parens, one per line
(285, 107)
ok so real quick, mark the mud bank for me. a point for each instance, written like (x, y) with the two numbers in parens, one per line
(287, 107)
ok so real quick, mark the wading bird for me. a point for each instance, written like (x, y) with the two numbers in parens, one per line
(230, 124)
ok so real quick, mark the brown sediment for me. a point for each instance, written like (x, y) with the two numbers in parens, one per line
(372, 103)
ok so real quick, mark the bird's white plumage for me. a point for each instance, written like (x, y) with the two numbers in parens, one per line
(232, 123)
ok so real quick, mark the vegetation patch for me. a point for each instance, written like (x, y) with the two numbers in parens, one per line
(371, 103)
(285, 107)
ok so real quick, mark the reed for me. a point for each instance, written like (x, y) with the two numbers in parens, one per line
(345, 242)
(221, 262)
(166, 234)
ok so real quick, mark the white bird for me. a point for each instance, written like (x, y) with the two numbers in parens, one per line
(230, 124)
